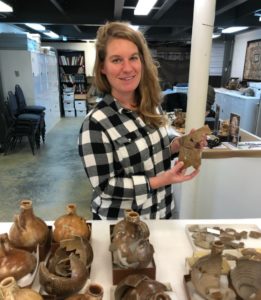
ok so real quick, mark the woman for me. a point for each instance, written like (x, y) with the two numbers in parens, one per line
(123, 143)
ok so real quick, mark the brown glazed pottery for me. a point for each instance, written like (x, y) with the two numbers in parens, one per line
(70, 225)
(130, 244)
(14, 262)
(9, 290)
(140, 287)
(27, 230)
(206, 272)
(94, 292)
(68, 269)
(77, 245)
(246, 278)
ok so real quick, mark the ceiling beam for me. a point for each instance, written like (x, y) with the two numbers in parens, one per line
(93, 20)
(229, 6)
(118, 8)
(59, 7)
(167, 38)
(77, 28)
(62, 11)
(164, 8)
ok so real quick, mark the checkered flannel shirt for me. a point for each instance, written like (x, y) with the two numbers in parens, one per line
(119, 153)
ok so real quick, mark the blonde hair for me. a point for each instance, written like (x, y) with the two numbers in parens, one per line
(148, 92)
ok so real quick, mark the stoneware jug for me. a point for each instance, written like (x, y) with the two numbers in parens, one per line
(28, 230)
(9, 290)
(130, 244)
(70, 225)
(14, 262)
(206, 272)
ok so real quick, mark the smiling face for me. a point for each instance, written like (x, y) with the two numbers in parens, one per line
(122, 67)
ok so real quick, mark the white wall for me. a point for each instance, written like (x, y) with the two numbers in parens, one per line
(88, 48)
(240, 51)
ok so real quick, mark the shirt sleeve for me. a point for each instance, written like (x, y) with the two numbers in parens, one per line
(105, 173)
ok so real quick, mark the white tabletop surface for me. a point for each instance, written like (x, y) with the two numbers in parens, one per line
(171, 245)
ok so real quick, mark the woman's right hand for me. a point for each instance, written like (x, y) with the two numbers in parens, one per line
(176, 174)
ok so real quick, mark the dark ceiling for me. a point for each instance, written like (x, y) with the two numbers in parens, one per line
(169, 21)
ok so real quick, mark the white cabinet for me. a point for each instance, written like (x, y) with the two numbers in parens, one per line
(37, 74)
(234, 102)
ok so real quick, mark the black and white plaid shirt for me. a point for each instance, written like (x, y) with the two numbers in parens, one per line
(120, 152)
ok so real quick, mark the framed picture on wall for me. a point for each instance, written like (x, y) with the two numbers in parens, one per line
(252, 67)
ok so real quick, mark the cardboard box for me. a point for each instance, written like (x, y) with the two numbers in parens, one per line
(69, 113)
(80, 104)
(80, 96)
(119, 274)
(68, 96)
(68, 105)
(81, 113)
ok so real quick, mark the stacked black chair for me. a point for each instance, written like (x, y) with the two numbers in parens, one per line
(25, 124)
(12, 131)
(11, 134)
(31, 109)
(5, 134)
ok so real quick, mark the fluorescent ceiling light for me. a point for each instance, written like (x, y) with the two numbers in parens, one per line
(135, 27)
(234, 29)
(144, 7)
(35, 26)
(258, 13)
(215, 35)
(5, 7)
(51, 34)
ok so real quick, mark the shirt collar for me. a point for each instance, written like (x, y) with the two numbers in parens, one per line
(109, 100)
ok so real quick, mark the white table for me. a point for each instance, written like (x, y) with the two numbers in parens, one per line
(170, 242)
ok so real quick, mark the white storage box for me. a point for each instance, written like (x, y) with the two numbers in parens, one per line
(68, 105)
(68, 90)
(69, 113)
(81, 113)
(68, 96)
(80, 104)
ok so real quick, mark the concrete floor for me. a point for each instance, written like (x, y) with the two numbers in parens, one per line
(52, 178)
